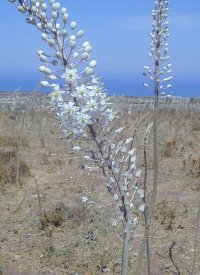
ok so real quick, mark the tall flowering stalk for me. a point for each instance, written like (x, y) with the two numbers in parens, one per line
(158, 78)
(79, 99)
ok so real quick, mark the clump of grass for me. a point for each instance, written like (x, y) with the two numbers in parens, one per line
(53, 217)
(171, 214)
(59, 213)
(192, 165)
(8, 141)
(170, 148)
(166, 214)
(9, 167)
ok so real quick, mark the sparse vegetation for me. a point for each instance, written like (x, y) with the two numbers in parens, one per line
(60, 247)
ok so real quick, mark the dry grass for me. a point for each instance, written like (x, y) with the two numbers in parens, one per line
(9, 167)
(69, 238)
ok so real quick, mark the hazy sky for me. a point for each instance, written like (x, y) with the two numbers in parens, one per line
(119, 33)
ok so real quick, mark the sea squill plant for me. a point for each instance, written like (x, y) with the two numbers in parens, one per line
(159, 77)
(83, 108)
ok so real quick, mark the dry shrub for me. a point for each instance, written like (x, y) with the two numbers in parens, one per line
(53, 217)
(171, 214)
(9, 167)
(192, 165)
(59, 213)
(170, 148)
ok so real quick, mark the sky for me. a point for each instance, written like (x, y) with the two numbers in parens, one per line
(118, 31)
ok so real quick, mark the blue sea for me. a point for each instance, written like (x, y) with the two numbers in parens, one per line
(128, 86)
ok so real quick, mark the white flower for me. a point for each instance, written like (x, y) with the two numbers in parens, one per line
(84, 119)
(115, 197)
(86, 158)
(142, 207)
(92, 105)
(80, 92)
(69, 107)
(138, 174)
(140, 192)
(70, 75)
(84, 199)
(76, 148)
(132, 152)
(114, 223)
(118, 131)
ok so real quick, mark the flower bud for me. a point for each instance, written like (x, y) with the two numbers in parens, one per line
(43, 58)
(85, 56)
(49, 25)
(65, 18)
(43, 15)
(57, 26)
(73, 37)
(45, 70)
(73, 25)
(44, 36)
(51, 42)
(44, 6)
(44, 83)
(80, 33)
(52, 77)
(63, 33)
(85, 44)
(54, 62)
(58, 55)
(55, 15)
(55, 6)
(88, 71)
(75, 55)
(40, 25)
(92, 63)
(63, 10)
(88, 49)
(21, 9)
(72, 44)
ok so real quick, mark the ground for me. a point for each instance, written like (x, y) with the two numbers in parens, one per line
(46, 228)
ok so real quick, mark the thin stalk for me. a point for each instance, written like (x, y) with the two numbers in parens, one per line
(19, 151)
(146, 213)
(155, 146)
(126, 239)
(195, 240)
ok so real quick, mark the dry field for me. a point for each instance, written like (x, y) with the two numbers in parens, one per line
(46, 229)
